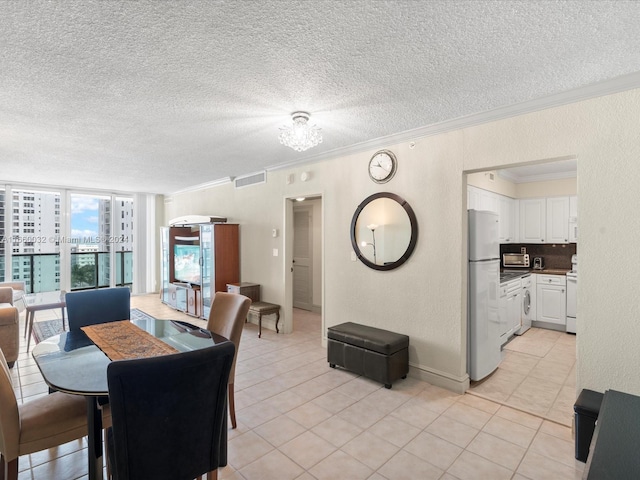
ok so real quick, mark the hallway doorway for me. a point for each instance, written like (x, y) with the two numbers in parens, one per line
(303, 256)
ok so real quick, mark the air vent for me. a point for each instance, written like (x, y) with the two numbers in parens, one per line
(251, 179)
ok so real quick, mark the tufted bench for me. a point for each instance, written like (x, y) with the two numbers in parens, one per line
(264, 308)
(377, 354)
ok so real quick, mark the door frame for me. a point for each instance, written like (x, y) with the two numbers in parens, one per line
(287, 259)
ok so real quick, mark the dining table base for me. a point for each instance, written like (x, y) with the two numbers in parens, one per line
(94, 424)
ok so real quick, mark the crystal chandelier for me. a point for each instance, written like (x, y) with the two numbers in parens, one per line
(300, 136)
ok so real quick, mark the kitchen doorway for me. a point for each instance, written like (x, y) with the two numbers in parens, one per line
(537, 369)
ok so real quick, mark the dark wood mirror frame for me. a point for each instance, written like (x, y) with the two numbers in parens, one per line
(414, 231)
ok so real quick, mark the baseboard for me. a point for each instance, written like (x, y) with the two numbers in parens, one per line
(316, 309)
(549, 326)
(441, 379)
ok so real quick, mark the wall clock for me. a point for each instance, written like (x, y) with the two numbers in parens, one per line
(382, 166)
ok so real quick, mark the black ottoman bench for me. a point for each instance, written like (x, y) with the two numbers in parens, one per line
(377, 354)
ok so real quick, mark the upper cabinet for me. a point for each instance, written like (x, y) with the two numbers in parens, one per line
(507, 219)
(533, 218)
(557, 220)
(529, 220)
(548, 220)
(505, 207)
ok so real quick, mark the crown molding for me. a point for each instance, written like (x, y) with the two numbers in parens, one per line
(600, 89)
(543, 177)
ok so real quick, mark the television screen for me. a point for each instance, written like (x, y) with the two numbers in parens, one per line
(186, 263)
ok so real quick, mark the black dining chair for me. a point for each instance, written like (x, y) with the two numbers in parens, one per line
(90, 307)
(169, 414)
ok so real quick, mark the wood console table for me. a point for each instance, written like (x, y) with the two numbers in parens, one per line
(248, 289)
(259, 308)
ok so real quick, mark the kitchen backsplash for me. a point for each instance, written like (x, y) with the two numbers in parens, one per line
(554, 256)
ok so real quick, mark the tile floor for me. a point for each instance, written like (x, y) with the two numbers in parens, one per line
(537, 375)
(299, 419)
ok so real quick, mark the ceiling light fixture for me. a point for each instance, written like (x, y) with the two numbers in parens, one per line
(300, 136)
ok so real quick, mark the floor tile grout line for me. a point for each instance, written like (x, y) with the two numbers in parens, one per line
(520, 409)
(388, 410)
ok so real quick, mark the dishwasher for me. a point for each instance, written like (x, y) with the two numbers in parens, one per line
(510, 309)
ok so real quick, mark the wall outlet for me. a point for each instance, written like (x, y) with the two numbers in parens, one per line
(275, 252)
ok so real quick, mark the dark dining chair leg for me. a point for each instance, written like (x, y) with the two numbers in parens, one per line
(232, 406)
(94, 424)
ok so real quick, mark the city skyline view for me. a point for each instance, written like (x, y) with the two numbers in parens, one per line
(99, 235)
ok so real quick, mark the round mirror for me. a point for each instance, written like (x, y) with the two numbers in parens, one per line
(384, 231)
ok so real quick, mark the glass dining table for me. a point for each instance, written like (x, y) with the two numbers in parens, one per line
(72, 363)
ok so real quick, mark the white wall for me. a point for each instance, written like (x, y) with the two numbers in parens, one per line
(498, 184)
(547, 188)
(426, 297)
(565, 186)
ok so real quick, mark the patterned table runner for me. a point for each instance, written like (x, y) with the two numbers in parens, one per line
(123, 340)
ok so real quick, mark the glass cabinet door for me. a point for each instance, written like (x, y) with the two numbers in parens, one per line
(206, 252)
(164, 264)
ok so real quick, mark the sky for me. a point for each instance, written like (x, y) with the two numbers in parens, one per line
(84, 216)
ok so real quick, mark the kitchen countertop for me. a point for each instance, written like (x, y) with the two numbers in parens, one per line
(552, 271)
(544, 271)
(509, 274)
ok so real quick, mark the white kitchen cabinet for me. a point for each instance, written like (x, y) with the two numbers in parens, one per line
(533, 217)
(533, 292)
(573, 219)
(529, 220)
(514, 312)
(510, 312)
(557, 220)
(479, 199)
(488, 201)
(506, 213)
(473, 198)
(551, 299)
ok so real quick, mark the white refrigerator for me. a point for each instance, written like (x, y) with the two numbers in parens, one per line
(483, 354)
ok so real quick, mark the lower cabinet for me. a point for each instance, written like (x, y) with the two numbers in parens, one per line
(551, 299)
(514, 312)
(510, 311)
(185, 298)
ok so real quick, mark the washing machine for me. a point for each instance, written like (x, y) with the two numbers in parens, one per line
(528, 303)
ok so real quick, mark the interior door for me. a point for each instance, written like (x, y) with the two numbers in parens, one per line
(302, 257)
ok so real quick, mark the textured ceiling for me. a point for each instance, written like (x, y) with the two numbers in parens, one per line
(158, 96)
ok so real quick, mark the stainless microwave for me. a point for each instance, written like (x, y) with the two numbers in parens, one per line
(515, 260)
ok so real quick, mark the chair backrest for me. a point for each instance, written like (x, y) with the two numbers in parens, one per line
(9, 414)
(227, 316)
(169, 414)
(89, 307)
(6, 295)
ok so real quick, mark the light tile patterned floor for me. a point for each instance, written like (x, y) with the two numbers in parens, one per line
(299, 419)
(537, 375)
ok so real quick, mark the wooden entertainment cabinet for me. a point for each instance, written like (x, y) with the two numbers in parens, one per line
(217, 248)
